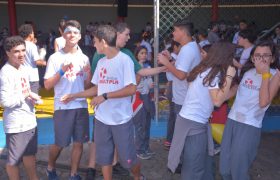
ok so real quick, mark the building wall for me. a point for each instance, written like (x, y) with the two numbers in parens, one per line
(47, 17)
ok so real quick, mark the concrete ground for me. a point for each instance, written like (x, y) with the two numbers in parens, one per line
(266, 166)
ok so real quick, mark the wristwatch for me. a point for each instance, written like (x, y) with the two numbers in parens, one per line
(105, 96)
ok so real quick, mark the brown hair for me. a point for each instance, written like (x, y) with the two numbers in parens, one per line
(219, 58)
(250, 65)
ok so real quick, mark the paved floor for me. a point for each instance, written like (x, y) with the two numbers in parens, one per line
(266, 166)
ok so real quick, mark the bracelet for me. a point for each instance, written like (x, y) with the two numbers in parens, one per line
(229, 76)
(266, 76)
(61, 72)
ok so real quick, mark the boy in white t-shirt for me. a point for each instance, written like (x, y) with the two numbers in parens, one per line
(187, 59)
(68, 71)
(32, 58)
(115, 83)
(246, 40)
(19, 118)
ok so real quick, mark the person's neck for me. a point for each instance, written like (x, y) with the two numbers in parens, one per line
(247, 45)
(28, 39)
(111, 52)
(14, 65)
(70, 49)
(185, 41)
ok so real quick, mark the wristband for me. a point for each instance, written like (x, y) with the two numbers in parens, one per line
(105, 96)
(61, 72)
(266, 76)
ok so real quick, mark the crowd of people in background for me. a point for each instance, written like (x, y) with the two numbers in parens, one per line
(204, 68)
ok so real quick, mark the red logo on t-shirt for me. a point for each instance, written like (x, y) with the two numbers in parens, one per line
(105, 79)
(103, 73)
(249, 82)
(24, 86)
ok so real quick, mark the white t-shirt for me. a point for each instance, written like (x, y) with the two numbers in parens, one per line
(145, 84)
(19, 112)
(31, 56)
(60, 41)
(73, 79)
(245, 55)
(203, 43)
(187, 59)
(246, 107)
(169, 75)
(198, 104)
(235, 38)
(112, 75)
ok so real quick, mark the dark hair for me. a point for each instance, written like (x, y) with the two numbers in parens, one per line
(249, 34)
(108, 33)
(243, 21)
(121, 26)
(12, 42)
(250, 65)
(25, 30)
(73, 23)
(173, 43)
(219, 58)
(207, 47)
(203, 33)
(61, 24)
(186, 26)
(138, 49)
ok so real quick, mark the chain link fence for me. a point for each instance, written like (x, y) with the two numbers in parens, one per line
(260, 14)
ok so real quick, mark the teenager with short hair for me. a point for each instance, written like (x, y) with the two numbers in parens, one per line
(187, 59)
(32, 58)
(19, 118)
(115, 83)
(68, 71)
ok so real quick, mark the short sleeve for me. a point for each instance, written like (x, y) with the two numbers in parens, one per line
(129, 74)
(137, 66)
(185, 59)
(95, 59)
(94, 79)
(50, 70)
(215, 83)
(35, 54)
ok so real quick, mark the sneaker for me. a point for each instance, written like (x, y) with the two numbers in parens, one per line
(167, 143)
(52, 174)
(75, 177)
(144, 156)
(90, 174)
(149, 152)
(119, 170)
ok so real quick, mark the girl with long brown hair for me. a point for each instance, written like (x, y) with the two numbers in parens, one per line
(209, 86)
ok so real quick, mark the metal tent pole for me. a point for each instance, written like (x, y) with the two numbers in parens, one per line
(156, 49)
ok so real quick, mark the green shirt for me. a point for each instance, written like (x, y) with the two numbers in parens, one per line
(97, 57)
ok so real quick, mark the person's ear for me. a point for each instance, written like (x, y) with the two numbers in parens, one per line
(252, 59)
(104, 43)
(272, 59)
